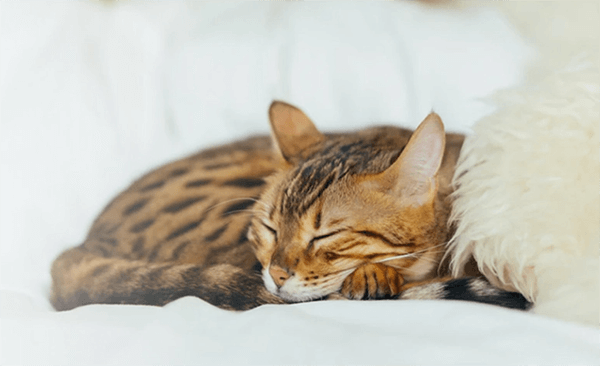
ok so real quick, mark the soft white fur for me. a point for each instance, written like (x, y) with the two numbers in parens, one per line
(527, 202)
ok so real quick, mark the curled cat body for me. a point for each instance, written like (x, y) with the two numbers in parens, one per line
(292, 217)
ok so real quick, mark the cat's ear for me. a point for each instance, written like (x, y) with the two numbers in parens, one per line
(413, 176)
(292, 130)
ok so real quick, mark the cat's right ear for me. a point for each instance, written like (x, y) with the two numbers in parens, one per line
(413, 176)
(292, 130)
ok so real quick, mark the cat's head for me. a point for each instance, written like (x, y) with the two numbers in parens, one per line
(344, 200)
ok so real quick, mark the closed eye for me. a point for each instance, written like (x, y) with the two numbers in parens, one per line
(311, 243)
(273, 231)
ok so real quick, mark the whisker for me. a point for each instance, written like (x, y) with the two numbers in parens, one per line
(397, 267)
(395, 257)
(433, 247)
(247, 211)
(349, 270)
(428, 249)
(430, 260)
(407, 255)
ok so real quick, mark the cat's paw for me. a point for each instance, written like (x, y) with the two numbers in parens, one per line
(372, 281)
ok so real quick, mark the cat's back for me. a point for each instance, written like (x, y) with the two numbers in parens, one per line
(204, 197)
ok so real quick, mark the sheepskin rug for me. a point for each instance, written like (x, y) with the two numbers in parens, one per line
(527, 203)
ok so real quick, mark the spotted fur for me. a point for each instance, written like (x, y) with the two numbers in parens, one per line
(296, 217)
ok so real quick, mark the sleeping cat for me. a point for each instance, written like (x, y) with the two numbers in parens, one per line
(296, 217)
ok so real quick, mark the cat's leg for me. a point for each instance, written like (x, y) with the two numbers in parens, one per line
(377, 281)
(81, 276)
(372, 281)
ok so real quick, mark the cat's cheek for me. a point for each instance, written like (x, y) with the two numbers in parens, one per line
(268, 281)
(422, 269)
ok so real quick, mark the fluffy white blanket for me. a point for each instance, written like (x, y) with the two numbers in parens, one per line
(94, 94)
(527, 203)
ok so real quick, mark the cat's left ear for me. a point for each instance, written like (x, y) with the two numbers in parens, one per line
(413, 176)
(292, 130)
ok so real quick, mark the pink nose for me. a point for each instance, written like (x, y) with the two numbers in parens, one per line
(278, 274)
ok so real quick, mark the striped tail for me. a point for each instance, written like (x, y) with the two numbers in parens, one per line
(467, 289)
(81, 277)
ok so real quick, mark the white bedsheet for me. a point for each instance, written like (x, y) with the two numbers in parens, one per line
(94, 94)
(190, 331)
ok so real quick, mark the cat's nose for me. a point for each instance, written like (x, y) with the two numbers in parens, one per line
(278, 274)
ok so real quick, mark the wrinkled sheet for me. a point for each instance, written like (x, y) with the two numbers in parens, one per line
(94, 94)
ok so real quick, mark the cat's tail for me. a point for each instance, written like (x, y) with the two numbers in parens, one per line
(81, 277)
(468, 289)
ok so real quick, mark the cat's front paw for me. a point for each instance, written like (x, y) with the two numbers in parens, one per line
(372, 281)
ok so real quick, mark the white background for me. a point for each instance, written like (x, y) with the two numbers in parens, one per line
(94, 94)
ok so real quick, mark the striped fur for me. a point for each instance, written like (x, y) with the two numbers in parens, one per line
(476, 289)
(297, 217)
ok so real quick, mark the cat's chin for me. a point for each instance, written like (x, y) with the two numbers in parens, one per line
(292, 298)
(292, 291)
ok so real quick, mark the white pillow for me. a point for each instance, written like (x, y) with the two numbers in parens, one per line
(345, 65)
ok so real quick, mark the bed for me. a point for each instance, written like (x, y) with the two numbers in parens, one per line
(93, 94)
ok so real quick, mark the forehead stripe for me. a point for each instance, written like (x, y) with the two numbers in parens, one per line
(316, 194)
(337, 158)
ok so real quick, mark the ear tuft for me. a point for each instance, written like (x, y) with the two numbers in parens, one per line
(292, 130)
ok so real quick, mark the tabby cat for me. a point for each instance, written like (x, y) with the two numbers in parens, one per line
(296, 217)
